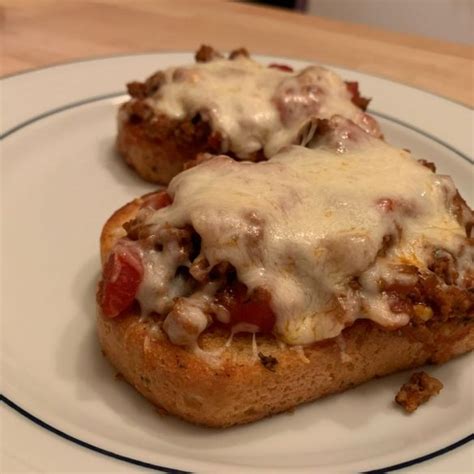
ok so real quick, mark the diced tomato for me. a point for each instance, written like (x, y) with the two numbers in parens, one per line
(258, 313)
(357, 99)
(122, 275)
(157, 200)
(254, 310)
(214, 142)
(282, 67)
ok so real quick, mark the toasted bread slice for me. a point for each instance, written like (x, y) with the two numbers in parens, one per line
(234, 106)
(247, 380)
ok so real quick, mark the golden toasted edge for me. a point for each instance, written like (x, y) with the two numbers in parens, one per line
(156, 161)
(236, 387)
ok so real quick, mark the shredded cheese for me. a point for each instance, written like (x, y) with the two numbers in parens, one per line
(254, 107)
(305, 223)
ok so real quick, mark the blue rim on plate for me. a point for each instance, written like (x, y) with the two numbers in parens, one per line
(157, 467)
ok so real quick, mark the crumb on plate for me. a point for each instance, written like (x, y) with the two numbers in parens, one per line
(418, 390)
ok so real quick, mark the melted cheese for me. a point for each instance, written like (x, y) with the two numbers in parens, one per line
(305, 223)
(254, 107)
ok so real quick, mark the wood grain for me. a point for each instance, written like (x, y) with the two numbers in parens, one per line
(42, 32)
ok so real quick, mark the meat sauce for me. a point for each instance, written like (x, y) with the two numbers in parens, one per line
(123, 273)
(427, 296)
(239, 107)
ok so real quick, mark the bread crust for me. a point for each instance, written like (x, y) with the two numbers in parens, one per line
(239, 388)
(158, 157)
(160, 148)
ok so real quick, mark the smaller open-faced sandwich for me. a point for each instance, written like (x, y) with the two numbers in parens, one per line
(233, 105)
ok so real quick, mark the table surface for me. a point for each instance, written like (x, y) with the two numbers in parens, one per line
(42, 32)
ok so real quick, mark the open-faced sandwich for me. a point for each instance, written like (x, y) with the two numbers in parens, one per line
(246, 289)
(229, 105)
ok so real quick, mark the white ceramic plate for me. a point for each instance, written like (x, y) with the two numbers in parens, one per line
(61, 179)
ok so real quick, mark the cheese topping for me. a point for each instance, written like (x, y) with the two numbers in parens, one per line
(254, 107)
(305, 224)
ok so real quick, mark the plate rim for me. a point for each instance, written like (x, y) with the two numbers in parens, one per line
(97, 98)
(92, 447)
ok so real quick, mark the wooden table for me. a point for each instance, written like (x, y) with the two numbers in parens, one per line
(42, 32)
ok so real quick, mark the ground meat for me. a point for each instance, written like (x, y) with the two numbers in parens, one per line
(430, 294)
(448, 302)
(182, 236)
(419, 389)
(134, 229)
(239, 52)
(206, 53)
(427, 164)
(154, 82)
(444, 265)
(137, 90)
(150, 237)
(463, 213)
(142, 90)
(199, 269)
(138, 111)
